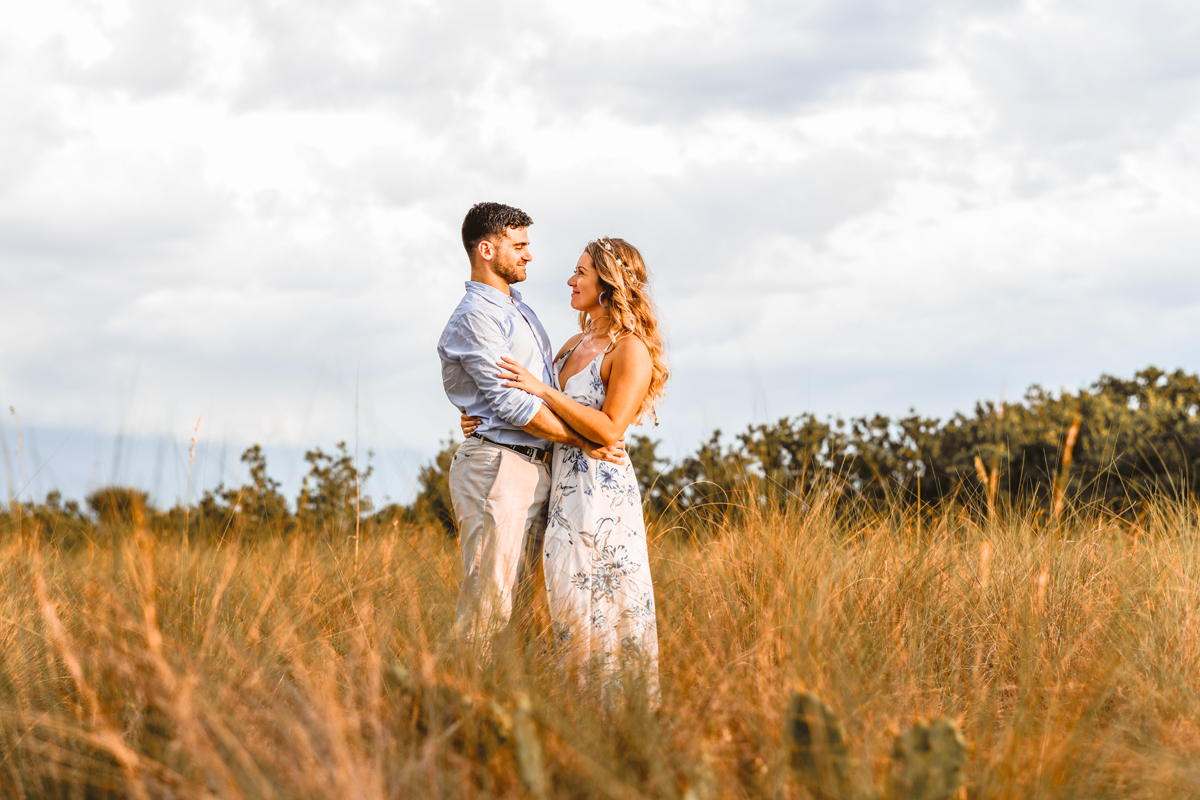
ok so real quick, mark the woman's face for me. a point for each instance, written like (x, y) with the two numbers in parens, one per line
(585, 285)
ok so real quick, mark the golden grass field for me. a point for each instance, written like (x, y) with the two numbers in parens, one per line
(1068, 652)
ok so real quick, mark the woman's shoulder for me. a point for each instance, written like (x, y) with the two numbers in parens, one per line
(631, 345)
(630, 350)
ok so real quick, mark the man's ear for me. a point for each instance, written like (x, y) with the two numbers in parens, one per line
(486, 250)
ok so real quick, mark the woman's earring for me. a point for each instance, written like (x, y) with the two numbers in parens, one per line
(601, 298)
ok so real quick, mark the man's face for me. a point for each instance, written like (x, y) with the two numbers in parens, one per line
(511, 255)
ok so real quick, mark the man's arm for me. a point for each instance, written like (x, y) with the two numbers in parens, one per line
(546, 425)
(476, 341)
(478, 344)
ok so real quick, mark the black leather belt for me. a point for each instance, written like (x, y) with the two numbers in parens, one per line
(541, 455)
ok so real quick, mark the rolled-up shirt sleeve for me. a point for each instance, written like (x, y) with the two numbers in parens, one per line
(477, 343)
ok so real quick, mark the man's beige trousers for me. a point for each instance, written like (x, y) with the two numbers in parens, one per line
(499, 499)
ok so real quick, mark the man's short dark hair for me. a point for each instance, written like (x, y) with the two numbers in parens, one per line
(486, 220)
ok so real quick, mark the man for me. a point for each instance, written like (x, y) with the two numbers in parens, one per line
(500, 477)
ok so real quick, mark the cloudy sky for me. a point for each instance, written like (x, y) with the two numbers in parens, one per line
(246, 212)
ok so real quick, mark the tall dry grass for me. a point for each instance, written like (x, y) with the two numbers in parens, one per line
(287, 668)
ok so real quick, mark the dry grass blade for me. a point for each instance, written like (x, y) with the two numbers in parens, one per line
(1066, 649)
(105, 736)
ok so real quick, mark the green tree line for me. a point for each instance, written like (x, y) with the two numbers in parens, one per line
(330, 503)
(1114, 444)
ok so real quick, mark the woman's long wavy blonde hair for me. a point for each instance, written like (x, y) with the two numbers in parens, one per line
(631, 311)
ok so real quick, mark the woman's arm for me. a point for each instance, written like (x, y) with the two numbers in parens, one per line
(628, 382)
(613, 452)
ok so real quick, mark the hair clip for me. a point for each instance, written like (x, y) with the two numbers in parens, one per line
(607, 246)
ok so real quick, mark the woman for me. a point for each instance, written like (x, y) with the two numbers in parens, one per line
(608, 376)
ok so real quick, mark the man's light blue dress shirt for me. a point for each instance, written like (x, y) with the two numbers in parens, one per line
(486, 326)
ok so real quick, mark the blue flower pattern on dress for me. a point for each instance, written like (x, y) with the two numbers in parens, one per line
(595, 557)
(581, 580)
(597, 384)
(608, 478)
(557, 517)
(576, 458)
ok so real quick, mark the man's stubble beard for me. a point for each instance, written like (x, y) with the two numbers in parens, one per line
(512, 273)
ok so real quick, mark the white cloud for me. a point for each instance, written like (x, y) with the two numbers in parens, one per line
(250, 210)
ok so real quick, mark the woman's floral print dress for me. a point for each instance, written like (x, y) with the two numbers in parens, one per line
(596, 562)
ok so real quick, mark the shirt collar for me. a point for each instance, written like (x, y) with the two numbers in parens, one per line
(493, 294)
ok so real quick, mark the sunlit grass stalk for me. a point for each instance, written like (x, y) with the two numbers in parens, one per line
(266, 667)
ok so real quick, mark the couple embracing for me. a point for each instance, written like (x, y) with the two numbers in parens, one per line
(543, 473)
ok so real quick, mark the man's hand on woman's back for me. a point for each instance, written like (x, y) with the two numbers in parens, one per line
(614, 453)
